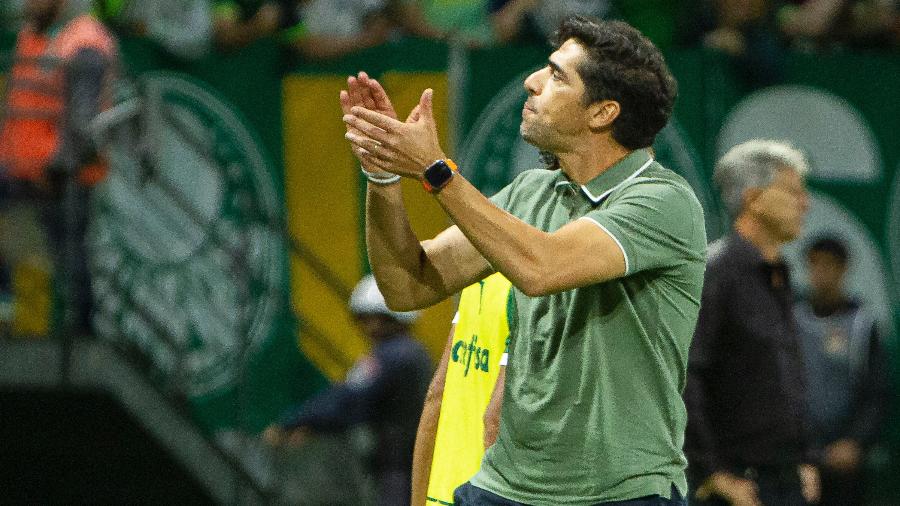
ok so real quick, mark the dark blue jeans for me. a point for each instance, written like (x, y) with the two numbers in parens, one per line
(470, 495)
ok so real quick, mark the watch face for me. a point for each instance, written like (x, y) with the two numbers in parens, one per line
(438, 173)
(186, 263)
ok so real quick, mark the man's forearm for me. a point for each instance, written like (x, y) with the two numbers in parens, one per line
(492, 413)
(395, 254)
(424, 448)
(423, 452)
(509, 245)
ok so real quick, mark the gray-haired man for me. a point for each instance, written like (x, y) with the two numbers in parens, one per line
(746, 439)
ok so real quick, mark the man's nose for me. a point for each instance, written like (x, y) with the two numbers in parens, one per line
(532, 83)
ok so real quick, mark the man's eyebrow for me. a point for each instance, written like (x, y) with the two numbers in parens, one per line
(556, 68)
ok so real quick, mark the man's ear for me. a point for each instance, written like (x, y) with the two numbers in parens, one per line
(602, 114)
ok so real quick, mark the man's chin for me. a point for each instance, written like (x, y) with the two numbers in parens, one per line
(528, 137)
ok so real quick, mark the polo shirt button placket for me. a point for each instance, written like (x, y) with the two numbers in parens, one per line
(574, 201)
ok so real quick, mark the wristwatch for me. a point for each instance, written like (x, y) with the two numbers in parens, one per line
(438, 175)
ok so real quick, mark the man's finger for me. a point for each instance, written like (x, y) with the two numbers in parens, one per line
(355, 90)
(371, 148)
(426, 104)
(366, 90)
(369, 144)
(344, 98)
(382, 101)
(370, 162)
(367, 129)
(414, 115)
(380, 159)
(380, 120)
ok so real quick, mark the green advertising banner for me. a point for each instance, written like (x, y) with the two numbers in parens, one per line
(190, 257)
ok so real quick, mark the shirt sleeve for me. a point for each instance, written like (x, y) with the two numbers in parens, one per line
(699, 444)
(504, 359)
(656, 223)
(503, 197)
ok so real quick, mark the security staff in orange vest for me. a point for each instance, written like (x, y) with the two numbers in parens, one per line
(62, 69)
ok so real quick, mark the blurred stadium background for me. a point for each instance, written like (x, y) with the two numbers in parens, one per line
(226, 239)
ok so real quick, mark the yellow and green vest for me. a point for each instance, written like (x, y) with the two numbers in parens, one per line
(479, 341)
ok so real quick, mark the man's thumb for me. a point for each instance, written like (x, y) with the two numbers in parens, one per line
(425, 104)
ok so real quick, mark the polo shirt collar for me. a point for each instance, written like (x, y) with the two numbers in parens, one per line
(605, 183)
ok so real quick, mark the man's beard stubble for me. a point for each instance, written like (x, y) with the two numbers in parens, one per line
(547, 157)
(550, 161)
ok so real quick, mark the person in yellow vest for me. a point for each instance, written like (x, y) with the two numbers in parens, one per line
(461, 415)
(61, 73)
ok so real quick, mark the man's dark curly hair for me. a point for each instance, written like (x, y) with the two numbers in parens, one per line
(624, 66)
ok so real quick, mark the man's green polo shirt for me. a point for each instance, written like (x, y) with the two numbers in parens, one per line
(592, 407)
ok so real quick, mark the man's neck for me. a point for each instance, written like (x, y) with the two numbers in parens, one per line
(754, 233)
(590, 159)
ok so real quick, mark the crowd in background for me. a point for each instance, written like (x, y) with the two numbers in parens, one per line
(320, 29)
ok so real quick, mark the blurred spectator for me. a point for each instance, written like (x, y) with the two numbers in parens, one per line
(317, 29)
(465, 21)
(820, 24)
(237, 24)
(736, 22)
(385, 389)
(535, 21)
(743, 29)
(746, 438)
(10, 14)
(181, 27)
(845, 373)
(656, 19)
(62, 69)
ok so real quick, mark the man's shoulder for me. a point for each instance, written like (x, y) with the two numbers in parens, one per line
(525, 186)
(658, 179)
(669, 196)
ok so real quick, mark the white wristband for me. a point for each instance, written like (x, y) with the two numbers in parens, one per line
(379, 179)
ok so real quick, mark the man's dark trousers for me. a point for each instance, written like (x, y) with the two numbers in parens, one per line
(470, 495)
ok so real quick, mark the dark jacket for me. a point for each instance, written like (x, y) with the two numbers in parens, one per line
(745, 392)
(385, 389)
